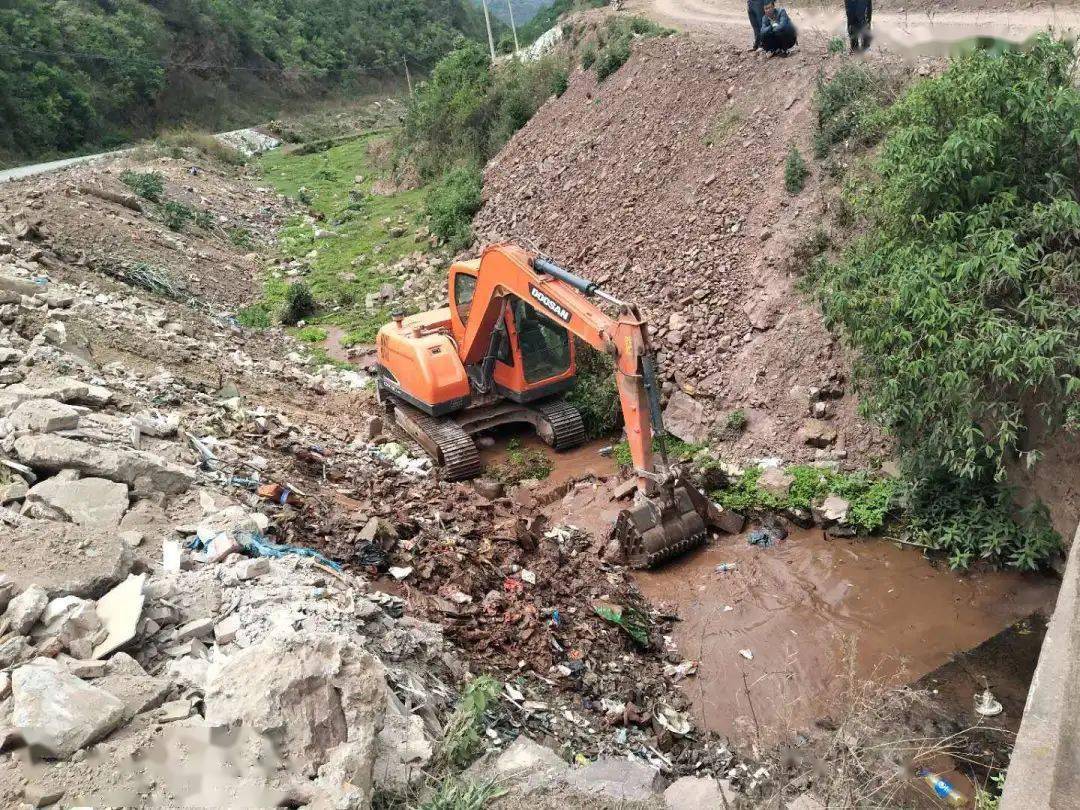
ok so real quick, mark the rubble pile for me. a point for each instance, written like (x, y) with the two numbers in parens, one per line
(195, 518)
(665, 185)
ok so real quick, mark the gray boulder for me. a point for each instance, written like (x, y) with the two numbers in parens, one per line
(145, 472)
(95, 503)
(321, 697)
(43, 416)
(618, 779)
(58, 713)
(25, 609)
(684, 418)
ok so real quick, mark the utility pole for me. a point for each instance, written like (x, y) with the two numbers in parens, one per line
(491, 39)
(408, 78)
(513, 27)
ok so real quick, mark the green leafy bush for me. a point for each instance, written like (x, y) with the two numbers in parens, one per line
(849, 105)
(467, 111)
(176, 215)
(205, 220)
(588, 55)
(299, 303)
(961, 297)
(148, 185)
(616, 36)
(451, 204)
(594, 393)
(837, 45)
(242, 238)
(795, 171)
(256, 316)
(462, 740)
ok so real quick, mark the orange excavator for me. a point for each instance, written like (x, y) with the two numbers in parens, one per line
(502, 353)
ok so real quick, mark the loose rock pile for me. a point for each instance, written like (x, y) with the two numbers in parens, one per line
(665, 185)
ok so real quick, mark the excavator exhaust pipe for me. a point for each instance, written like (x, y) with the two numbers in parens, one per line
(661, 527)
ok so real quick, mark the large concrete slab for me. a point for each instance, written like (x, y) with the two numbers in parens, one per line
(1045, 767)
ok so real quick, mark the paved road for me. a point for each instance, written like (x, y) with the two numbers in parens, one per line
(41, 168)
(250, 140)
(916, 32)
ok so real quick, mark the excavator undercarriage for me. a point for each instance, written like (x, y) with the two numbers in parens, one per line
(450, 439)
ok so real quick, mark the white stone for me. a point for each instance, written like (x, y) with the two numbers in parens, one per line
(25, 609)
(58, 713)
(120, 610)
(43, 416)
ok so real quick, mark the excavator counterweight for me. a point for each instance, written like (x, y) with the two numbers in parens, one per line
(503, 352)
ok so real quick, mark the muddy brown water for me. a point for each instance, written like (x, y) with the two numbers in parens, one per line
(811, 611)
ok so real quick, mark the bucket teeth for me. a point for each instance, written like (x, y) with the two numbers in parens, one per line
(659, 529)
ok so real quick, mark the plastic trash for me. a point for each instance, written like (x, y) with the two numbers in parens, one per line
(987, 705)
(942, 788)
(633, 622)
(723, 568)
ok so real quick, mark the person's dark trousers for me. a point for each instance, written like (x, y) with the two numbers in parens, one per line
(755, 9)
(783, 40)
(859, 13)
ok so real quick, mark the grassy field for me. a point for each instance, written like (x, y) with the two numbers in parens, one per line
(342, 268)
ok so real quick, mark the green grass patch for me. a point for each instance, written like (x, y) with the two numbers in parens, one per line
(311, 334)
(871, 498)
(795, 171)
(521, 464)
(849, 106)
(345, 269)
(723, 126)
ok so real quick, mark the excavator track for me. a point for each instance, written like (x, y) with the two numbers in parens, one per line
(568, 429)
(444, 440)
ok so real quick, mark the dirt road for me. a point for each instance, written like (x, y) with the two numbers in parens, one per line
(920, 32)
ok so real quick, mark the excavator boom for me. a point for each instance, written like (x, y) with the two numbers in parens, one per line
(665, 521)
(444, 369)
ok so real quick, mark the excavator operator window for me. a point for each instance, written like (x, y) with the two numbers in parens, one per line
(464, 287)
(545, 346)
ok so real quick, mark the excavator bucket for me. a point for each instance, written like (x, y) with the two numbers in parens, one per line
(662, 527)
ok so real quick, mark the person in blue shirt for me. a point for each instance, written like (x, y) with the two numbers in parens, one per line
(778, 34)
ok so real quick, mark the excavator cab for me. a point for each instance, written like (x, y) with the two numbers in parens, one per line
(533, 354)
(502, 351)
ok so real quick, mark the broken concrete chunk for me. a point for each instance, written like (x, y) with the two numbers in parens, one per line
(70, 620)
(833, 509)
(95, 503)
(174, 710)
(58, 713)
(145, 472)
(315, 692)
(64, 558)
(13, 492)
(86, 670)
(692, 793)
(37, 795)
(25, 609)
(618, 779)
(195, 629)
(776, 481)
(402, 751)
(225, 631)
(252, 568)
(120, 610)
(128, 682)
(189, 673)
(43, 416)
(14, 650)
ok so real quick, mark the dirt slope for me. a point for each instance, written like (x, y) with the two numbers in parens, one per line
(665, 183)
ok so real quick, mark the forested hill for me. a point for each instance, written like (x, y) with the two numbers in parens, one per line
(76, 74)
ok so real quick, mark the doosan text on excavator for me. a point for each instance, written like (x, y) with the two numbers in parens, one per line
(502, 352)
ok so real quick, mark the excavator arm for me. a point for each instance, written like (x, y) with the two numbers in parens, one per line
(564, 297)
